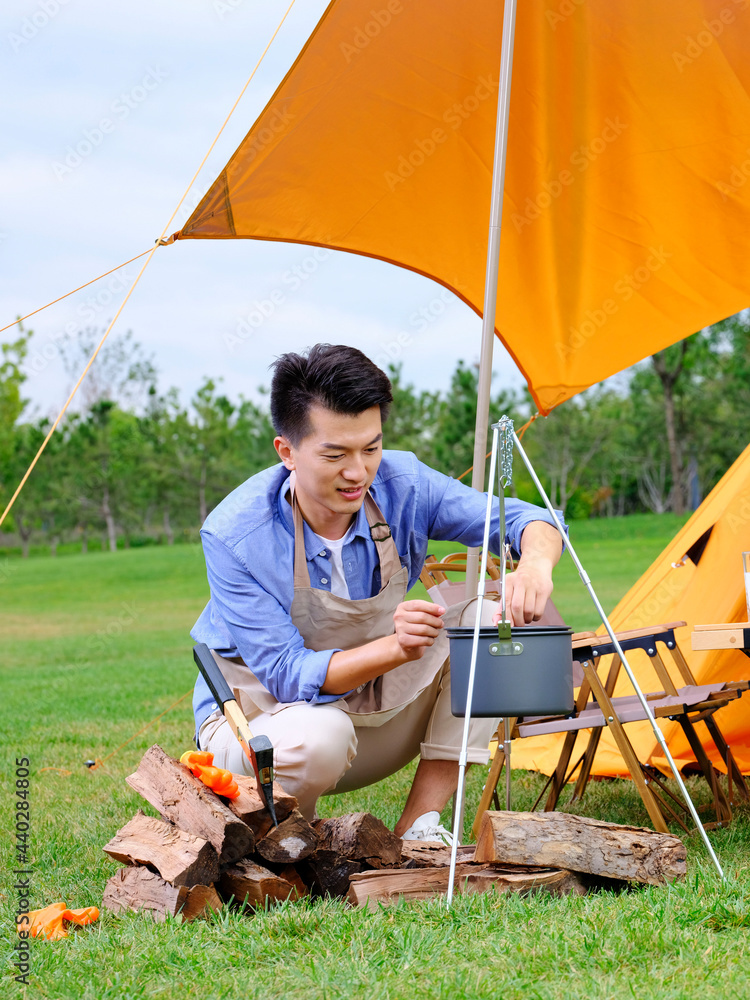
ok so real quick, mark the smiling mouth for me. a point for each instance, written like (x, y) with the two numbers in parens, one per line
(352, 492)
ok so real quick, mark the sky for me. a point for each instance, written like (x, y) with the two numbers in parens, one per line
(110, 108)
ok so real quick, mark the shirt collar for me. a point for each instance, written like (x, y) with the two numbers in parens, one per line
(312, 542)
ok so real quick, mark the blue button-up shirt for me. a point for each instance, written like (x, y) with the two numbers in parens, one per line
(248, 543)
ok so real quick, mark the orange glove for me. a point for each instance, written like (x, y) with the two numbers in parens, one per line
(218, 778)
(48, 922)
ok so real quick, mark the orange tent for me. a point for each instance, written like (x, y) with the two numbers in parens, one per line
(698, 578)
(626, 214)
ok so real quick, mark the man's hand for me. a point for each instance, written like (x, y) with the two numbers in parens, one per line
(527, 590)
(418, 624)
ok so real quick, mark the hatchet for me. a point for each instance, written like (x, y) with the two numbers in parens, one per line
(258, 748)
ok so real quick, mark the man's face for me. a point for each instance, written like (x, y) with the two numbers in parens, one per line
(335, 465)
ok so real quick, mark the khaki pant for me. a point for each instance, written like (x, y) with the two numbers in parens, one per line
(320, 750)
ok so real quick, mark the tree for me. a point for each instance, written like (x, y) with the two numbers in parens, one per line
(122, 372)
(454, 432)
(411, 425)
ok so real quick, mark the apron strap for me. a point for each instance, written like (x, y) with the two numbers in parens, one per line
(380, 532)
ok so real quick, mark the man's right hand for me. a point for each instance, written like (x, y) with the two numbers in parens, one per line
(418, 624)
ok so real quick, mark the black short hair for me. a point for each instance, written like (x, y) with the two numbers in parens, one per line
(338, 377)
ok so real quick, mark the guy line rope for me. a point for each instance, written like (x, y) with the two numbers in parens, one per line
(162, 241)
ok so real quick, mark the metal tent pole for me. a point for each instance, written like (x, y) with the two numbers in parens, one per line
(458, 819)
(636, 687)
(492, 271)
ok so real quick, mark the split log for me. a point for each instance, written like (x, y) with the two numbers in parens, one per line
(290, 873)
(254, 884)
(429, 854)
(360, 837)
(139, 888)
(373, 887)
(289, 842)
(178, 857)
(560, 840)
(250, 807)
(328, 874)
(184, 800)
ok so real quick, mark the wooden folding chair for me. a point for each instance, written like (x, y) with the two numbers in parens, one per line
(596, 707)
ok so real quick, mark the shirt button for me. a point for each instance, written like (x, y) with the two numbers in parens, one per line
(322, 553)
(214, 705)
(324, 579)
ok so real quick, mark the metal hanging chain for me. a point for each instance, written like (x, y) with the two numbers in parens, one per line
(504, 479)
(505, 456)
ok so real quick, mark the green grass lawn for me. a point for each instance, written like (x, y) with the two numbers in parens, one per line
(96, 646)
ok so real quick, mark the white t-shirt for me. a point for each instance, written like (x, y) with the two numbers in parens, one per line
(338, 580)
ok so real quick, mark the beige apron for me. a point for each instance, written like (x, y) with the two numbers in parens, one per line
(326, 621)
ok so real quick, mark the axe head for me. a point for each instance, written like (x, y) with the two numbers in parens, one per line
(262, 751)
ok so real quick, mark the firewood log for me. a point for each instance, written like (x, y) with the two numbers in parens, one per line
(251, 808)
(327, 873)
(178, 857)
(289, 842)
(427, 854)
(253, 884)
(173, 789)
(360, 837)
(561, 840)
(370, 888)
(138, 888)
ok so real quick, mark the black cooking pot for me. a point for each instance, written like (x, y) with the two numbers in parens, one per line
(530, 674)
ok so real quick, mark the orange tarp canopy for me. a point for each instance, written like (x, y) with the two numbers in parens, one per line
(706, 587)
(626, 217)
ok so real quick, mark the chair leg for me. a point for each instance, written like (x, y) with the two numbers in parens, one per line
(721, 806)
(626, 749)
(588, 760)
(595, 734)
(558, 776)
(734, 775)
(493, 777)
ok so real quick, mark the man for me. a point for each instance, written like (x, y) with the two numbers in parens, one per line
(309, 563)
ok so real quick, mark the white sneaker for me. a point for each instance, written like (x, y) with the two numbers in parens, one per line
(427, 827)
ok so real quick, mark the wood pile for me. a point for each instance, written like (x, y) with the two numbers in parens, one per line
(206, 851)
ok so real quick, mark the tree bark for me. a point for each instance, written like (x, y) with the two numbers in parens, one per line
(252, 884)
(174, 790)
(25, 533)
(179, 857)
(168, 527)
(138, 888)
(203, 509)
(109, 520)
(668, 380)
(360, 837)
(561, 840)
